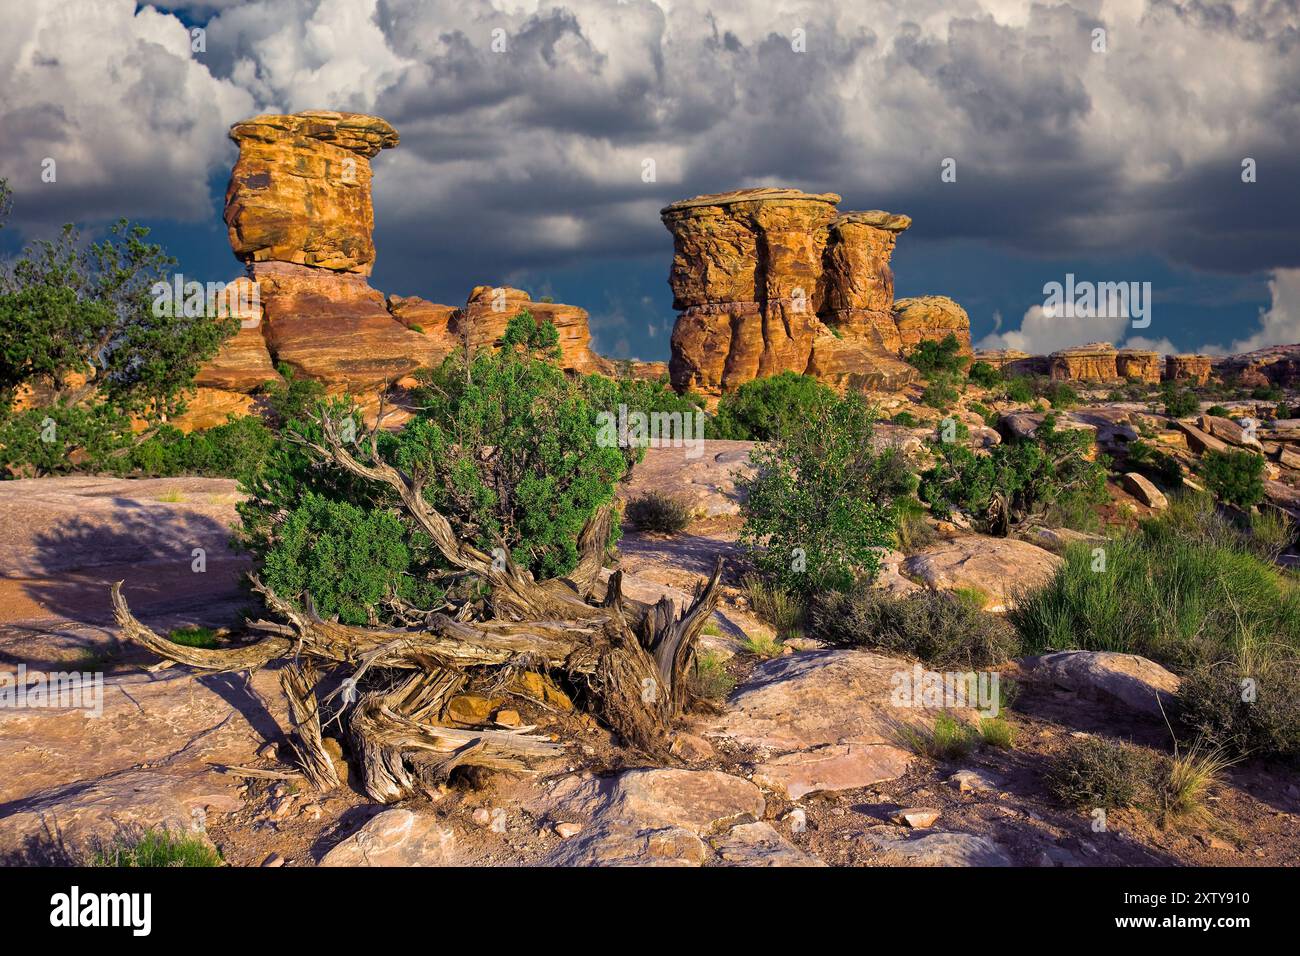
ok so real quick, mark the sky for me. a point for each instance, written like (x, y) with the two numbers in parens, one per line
(1113, 141)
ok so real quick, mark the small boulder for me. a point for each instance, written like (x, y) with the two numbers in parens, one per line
(396, 838)
(916, 818)
(1141, 488)
(1133, 682)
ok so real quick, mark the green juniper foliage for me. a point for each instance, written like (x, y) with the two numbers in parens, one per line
(1235, 477)
(78, 333)
(931, 357)
(819, 507)
(1015, 480)
(508, 449)
(763, 408)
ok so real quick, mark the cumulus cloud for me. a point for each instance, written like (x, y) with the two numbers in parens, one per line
(1279, 324)
(133, 122)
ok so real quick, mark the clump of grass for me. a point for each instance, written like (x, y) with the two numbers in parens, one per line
(776, 607)
(710, 678)
(998, 732)
(914, 532)
(1094, 772)
(194, 637)
(653, 511)
(172, 495)
(976, 597)
(948, 738)
(761, 645)
(1191, 776)
(156, 848)
(711, 629)
(93, 659)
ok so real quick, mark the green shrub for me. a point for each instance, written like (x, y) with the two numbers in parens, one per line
(1163, 594)
(1020, 389)
(998, 732)
(780, 609)
(1235, 477)
(1248, 706)
(1219, 411)
(194, 637)
(906, 419)
(944, 631)
(349, 559)
(709, 678)
(653, 511)
(510, 451)
(1093, 772)
(940, 393)
(819, 506)
(946, 739)
(1015, 480)
(1179, 402)
(1283, 410)
(156, 848)
(1061, 395)
(764, 408)
(984, 374)
(932, 357)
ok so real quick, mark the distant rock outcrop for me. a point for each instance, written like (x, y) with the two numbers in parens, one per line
(1191, 368)
(300, 216)
(771, 280)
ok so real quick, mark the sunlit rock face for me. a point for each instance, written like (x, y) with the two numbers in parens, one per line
(773, 280)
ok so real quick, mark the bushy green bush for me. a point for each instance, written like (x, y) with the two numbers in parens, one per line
(1015, 480)
(819, 507)
(1248, 705)
(663, 513)
(1060, 395)
(348, 558)
(1019, 389)
(940, 393)
(984, 374)
(1235, 477)
(762, 409)
(905, 419)
(944, 631)
(1179, 402)
(932, 357)
(510, 451)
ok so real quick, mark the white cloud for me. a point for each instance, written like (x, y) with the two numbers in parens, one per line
(133, 121)
(1279, 324)
(1040, 332)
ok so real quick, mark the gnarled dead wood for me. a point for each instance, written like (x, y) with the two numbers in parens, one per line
(298, 680)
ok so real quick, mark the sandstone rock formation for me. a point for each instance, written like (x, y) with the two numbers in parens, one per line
(1094, 362)
(1012, 362)
(1274, 365)
(1191, 368)
(300, 216)
(1138, 365)
(770, 280)
(300, 191)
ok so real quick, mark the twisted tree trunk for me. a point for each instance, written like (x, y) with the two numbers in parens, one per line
(630, 661)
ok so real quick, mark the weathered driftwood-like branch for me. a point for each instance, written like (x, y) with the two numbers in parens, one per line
(298, 680)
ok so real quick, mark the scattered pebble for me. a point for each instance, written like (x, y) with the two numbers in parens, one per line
(274, 859)
(567, 830)
(797, 819)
